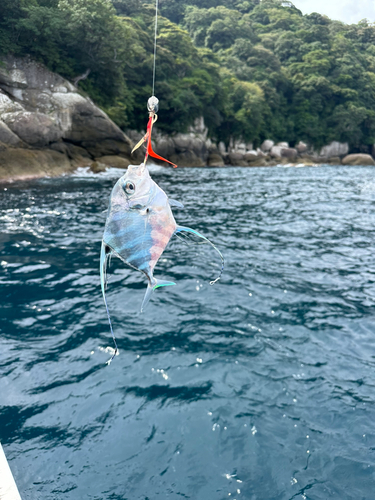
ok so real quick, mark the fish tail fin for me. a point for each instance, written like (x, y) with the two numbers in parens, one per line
(192, 231)
(104, 254)
(151, 287)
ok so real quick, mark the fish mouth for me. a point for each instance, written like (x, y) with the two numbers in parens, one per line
(136, 169)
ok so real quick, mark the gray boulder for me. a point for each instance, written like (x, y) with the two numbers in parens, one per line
(7, 136)
(109, 147)
(78, 156)
(267, 145)
(237, 159)
(239, 146)
(187, 159)
(81, 121)
(222, 149)
(334, 160)
(276, 151)
(260, 162)
(215, 160)
(165, 146)
(114, 161)
(74, 151)
(7, 105)
(17, 163)
(334, 149)
(301, 147)
(190, 142)
(199, 147)
(250, 156)
(97, 167)
(182, 142)
(358, 159)
(35, 129)
(289, 153)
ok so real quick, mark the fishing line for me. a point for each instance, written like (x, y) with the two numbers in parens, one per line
(156, 28)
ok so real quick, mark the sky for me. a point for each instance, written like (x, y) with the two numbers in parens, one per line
(348, 11)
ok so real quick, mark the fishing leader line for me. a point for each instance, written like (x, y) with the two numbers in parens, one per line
(152, 107)
(156, 30)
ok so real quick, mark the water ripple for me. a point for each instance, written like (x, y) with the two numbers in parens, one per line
(259, 387)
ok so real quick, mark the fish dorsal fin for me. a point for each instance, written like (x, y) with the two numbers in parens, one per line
(175, 203)
(192, 231)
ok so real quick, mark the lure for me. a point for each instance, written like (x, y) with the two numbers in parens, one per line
(152, 106)
(139, 225)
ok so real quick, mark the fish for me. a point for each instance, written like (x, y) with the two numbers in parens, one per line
(139, 226)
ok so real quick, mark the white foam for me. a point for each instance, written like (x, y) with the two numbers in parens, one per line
(85, 173)
(152, 167)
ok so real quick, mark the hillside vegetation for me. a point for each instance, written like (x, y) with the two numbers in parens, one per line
(253, 69)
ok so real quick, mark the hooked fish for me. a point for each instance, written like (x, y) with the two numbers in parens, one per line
(139, 225)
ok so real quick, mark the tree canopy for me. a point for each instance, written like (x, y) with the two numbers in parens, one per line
(253, 69)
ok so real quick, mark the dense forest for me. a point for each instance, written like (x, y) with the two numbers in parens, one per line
(254, 69)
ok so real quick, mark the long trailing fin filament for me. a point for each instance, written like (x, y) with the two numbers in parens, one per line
(104, 256)
(192, 231)
(113, 335)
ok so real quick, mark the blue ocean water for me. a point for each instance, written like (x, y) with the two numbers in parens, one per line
(260, 387)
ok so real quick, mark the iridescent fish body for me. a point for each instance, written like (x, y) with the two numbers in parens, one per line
(139, 226)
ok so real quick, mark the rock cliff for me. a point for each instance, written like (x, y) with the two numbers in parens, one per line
(48, 127)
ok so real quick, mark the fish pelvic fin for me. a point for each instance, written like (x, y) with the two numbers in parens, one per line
(104, 254)
(151, 287)
(103, 267)
(192, 231)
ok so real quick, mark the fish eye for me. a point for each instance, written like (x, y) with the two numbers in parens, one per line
(130, 187)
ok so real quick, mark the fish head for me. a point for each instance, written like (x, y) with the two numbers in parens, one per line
(136, 184)
(133, 189)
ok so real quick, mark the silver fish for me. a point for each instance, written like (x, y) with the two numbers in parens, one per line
(139, 226)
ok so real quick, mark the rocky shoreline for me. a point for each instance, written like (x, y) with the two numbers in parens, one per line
(195, 150)
(48, 128)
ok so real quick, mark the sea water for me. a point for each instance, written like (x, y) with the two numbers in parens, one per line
(259, 387)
